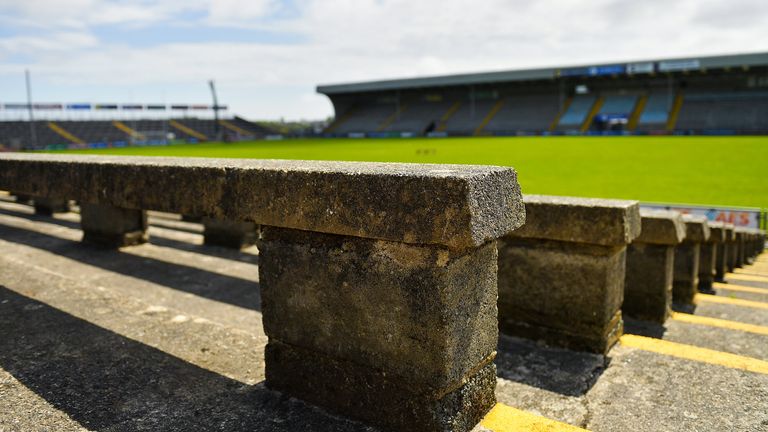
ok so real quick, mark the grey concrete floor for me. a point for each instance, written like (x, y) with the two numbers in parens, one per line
(168, 336)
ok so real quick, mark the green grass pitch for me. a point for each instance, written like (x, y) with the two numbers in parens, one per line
(695, 170)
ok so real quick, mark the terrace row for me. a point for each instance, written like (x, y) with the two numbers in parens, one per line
(401, 296)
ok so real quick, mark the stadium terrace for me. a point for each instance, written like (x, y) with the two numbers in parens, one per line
(723, 95)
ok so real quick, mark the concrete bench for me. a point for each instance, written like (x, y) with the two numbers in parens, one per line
(561, 276)
(722, 261)
(650, 266)
(687, 260)
(708, 256)
(378, 281)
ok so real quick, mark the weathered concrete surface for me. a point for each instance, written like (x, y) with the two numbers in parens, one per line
(661, 227)
(687, 260)
(560, 280)
(231, 234)
(650, 266)
(403, 336)
(166, 336)
(45, 206)
(114, 227)
(580, 220)
(708, 256)
(661, 393)
(470, 204)
(722, 259)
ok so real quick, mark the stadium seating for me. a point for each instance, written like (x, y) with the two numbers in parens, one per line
(367, 118)
(525, 114)
(724, 111)
(468, 117)
(418, 117)
(17, 135)
(577, 113)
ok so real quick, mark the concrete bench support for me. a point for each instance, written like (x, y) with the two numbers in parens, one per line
(409, 336)
(687, 257)
(723, 259)
(741, 259)
(231, 234)
(708, 256)
(561, 276)
(650, 266)
(110, 226)
(45, 206)
(378, 303)
(22, 198)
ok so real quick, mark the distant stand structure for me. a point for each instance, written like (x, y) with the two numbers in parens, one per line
(721, 95)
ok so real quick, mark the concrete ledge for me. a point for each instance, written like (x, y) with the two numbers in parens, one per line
(580, 220)
(472, 204)
(378, 281)
(562, 280)
(650, 266)
(661, 227)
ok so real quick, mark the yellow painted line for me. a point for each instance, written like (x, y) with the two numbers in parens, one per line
(751, 272)
(720, 323)
(125, 128)
(592, 113)
(730, 301)
(503, 418)
(235, 128)
(392, 118)
(188, 130)
(562, 112)
(339, 120)
(64, 133)
(747, 278)
(674, 113)
(740, 288)
(488, 117)
(637, 112)
(690, 352)
(443, 125)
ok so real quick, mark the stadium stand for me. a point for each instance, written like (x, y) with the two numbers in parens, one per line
(708, 95)
(365, 118)
(656, 112)
(419, 117)
(730, 112)
(525, 114)
(118, 133)
(468, 117)
(577, 113)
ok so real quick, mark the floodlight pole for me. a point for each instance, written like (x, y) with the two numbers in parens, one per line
(216, 126)
(32, 131)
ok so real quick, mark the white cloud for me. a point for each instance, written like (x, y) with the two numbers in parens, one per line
(352, 40)
(237, 12)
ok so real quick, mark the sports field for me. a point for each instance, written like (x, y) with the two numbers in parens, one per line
(695, 170)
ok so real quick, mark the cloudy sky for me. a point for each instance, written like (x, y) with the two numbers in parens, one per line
(267, 56)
